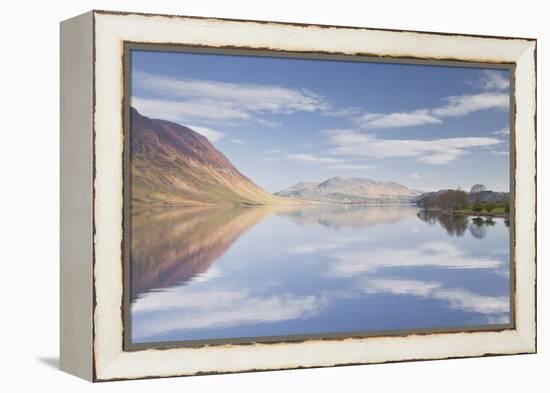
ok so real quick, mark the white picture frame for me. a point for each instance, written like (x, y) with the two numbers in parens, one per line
(92, 189)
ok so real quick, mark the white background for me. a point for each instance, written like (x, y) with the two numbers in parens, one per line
(29, 204)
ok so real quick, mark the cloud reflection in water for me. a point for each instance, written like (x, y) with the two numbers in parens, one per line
(201, 273)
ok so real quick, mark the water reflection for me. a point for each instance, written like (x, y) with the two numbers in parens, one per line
(458, 299)
(350, 216)
(174, 245)
(479, 226)
(454, 224)
(438, 254)
(203, 273)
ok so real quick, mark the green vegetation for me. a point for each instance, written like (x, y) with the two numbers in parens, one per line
(486, 209)
(478, 202)
(449, 200)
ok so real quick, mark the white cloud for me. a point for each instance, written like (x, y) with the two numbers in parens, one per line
(494, 80)
(211, 274)
(237, 141)
(400, 287)
(273, 151)
(467, 301)
(183, 297)
(269, 123)
(458, 298)
(199, 307)
(187, 111)
(437, 254)
(313, 159)
(314, 248)
(210, 134)
(455, 106)
(332, 243)
(396, 119)
(435, 151)
(465, 104)
(329, 162)
(415, 175)
(352, 167)
(442, 157)
(503, 131)
(498, 319)
(341, 112)
(187, 98)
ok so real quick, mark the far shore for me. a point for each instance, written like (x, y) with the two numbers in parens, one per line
(304, 203)
(468, 212)
(293, 203)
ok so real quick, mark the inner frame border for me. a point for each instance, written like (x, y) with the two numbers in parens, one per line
(129, 46)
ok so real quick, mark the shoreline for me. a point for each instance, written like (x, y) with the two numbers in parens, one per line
(300, 203)
(460, 212)
(466, 212)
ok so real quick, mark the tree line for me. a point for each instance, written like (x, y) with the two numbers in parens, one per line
(455, 200)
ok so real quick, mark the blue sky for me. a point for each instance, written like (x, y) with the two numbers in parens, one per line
(281, 121)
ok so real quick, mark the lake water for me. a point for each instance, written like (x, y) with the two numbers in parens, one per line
(215, 273)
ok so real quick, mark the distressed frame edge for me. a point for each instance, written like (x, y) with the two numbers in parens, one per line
(304, 24)
(526, 237)
(76, 196)
(528, 340)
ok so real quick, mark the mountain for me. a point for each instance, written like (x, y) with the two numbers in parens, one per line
(174, 165)
(350, 190)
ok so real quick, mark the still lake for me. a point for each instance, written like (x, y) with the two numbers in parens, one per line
(211, 273)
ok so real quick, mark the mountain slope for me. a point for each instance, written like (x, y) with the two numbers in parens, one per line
(350, 190)
(174, 165)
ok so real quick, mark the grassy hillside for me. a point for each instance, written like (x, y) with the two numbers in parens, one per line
(173, 165)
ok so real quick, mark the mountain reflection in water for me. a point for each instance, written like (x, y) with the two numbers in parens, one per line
(223, 272)
(171, 246)
(350, 216)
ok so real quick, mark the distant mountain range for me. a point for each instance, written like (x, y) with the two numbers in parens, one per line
(351, 190)
(174, 165)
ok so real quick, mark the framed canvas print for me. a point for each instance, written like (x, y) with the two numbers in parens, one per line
(245, 195)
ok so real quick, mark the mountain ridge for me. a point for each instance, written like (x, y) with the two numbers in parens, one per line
(350, 190)
(173, 165)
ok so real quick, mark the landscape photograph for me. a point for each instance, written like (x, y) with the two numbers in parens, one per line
(277, 198)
